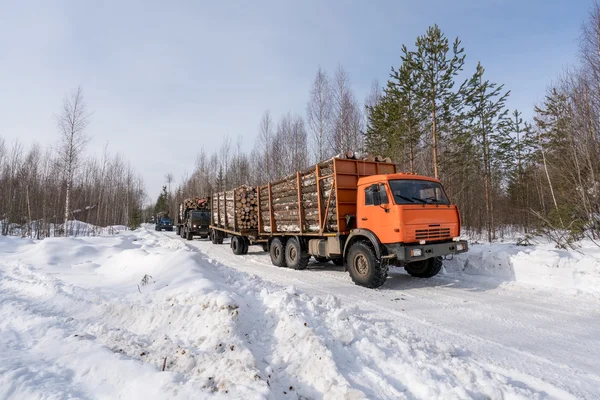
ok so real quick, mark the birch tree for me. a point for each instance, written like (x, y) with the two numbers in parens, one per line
(72, 122)
(318, 113)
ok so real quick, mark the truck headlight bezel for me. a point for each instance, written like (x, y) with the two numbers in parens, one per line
(460, 247)
(416, 253)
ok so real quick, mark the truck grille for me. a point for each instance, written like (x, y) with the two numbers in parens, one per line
(435, 233)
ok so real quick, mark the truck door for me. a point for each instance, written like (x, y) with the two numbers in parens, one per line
(374, 212)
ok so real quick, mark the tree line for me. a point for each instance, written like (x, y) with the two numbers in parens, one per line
(505, 173)
(43, 189)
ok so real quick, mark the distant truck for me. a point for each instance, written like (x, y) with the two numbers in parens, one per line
(163, 222)
(360, 214)
(194, 218)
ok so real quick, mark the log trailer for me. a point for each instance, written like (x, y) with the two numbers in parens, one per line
(361, 214)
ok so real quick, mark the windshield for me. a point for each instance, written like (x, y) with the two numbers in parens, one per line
(166, 221)
(203, 216)
(409, 191)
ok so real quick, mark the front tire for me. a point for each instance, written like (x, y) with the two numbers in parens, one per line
(364, 268)
(189, 236)
(277, 253)
(425, 268)
(295, 256)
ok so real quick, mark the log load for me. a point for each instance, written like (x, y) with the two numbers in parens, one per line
(236, 209)
(246, 208)
(284, 208)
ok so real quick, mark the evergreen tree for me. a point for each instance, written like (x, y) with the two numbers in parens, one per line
(162, 203)
(436, 66)
(488, 117)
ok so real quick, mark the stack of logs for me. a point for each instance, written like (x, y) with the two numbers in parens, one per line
(236, 209)
(366, 157)
(246, 208)
(284, 195)
(195, 203)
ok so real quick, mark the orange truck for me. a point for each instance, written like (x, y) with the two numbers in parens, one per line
(361, 214)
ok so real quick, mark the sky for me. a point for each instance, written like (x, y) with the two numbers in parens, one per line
(165, 79)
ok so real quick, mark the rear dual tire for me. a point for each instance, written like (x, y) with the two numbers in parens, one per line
(216, 237)
(277, 252)
(295, 256)
(239, 245)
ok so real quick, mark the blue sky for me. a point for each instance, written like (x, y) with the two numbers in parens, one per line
(163, 80)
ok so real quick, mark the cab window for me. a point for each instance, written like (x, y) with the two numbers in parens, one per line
(368, 196)
(383, 194)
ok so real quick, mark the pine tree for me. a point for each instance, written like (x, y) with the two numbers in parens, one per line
(436, 66)
(488, 112)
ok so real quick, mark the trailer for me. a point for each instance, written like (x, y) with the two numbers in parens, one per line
(361, 214)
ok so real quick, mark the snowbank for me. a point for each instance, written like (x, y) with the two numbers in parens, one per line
(539, 265)
(102, 317)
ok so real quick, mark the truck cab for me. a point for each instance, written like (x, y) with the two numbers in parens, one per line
(196, 223)
(164, 223)
(410, 219)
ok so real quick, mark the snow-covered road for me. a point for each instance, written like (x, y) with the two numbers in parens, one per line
(545, 339)
(75, 323)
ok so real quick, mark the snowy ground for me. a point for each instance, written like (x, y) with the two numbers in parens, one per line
(75, 321)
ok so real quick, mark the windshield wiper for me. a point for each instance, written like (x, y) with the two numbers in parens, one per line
(419, 199)
(404, 197)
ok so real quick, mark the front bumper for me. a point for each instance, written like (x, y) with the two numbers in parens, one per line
(402, 252)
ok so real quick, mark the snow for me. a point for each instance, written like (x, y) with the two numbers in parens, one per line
(98, 317)
(537, 265)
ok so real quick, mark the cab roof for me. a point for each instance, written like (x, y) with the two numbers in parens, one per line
(366, 180)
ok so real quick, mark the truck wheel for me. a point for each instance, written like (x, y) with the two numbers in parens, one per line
(189, 236)
(246, 245)
(238, 245)
(213, 237)
(425, 268)
(321, 259)
(178, 231)
(265, 247)
(364, 268)
(295, 256)
(277, 253)
(219, 238)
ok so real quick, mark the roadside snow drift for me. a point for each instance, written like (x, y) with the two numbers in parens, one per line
(539, 265)
(142, 315)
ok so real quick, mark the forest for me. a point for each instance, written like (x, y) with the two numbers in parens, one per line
(43, 188)
(507, 174)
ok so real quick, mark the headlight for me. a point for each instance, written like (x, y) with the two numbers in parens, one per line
(460, 247)
(416, 253)
(195, 226)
